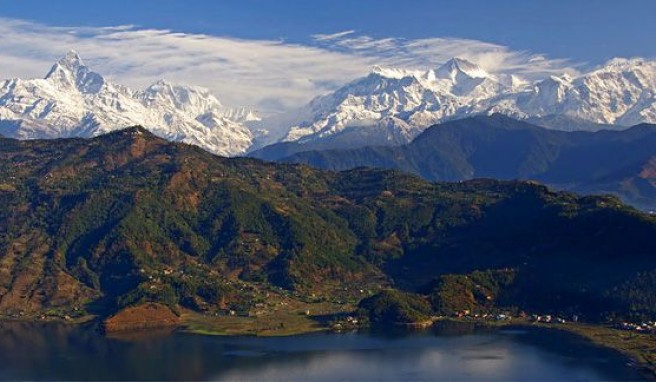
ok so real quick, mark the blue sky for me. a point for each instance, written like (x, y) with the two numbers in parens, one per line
(273, 55)
(582, 30)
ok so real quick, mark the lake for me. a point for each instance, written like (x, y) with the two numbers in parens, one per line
(448, 352)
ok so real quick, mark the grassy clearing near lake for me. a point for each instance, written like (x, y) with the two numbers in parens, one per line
(289, 319)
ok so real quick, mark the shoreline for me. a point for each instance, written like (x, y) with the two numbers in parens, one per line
(630, 344)
(639, 348)
(51, 320)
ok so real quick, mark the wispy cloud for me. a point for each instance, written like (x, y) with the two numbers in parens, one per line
(333, 36)
(265, 74)
(430, 52)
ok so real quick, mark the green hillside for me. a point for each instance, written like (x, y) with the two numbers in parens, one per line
(101, 224)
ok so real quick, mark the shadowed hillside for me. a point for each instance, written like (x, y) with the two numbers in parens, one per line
(617, 162)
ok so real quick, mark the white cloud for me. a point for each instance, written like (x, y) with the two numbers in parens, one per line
(255, 73)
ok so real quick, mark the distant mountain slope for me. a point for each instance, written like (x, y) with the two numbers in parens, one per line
(351, 137)
(619, 162)
(104, 223)
(617, 94)
(74, 101)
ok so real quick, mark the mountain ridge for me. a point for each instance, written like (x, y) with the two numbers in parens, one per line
(389, 106)
(103, 224)
(617, 162)
(615, 95)
(72, 100)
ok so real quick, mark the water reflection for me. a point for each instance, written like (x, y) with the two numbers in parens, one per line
(58, 352)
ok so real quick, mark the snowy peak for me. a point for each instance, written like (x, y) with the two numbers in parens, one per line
(636, 71)
(70, 63)
(624, 64)
(70, 71)
(622, 92)
(392, 73)
(241, 114)
(410, 98)
(457, 68)
(463, 78)
(73, 100)
(191, 100)
(552, 90)
(194, 101)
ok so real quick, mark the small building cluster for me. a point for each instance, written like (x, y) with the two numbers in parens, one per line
(505, 316)
(644, 327)
(549, 319)
(348, 323)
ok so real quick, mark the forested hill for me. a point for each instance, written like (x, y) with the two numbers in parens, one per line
(124, 218)
(620, 162)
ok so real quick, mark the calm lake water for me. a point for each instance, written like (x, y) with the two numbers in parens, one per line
(450, 352)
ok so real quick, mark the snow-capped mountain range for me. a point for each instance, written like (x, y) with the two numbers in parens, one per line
(72, 100)
(623, 93)
(398, 104)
